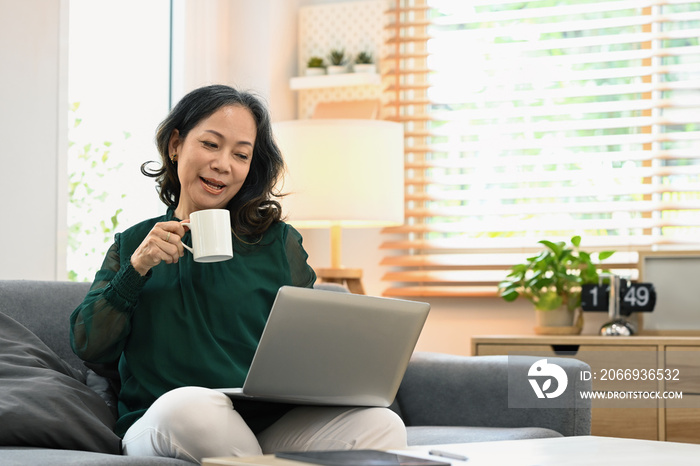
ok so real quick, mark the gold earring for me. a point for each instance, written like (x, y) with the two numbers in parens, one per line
(173, 157)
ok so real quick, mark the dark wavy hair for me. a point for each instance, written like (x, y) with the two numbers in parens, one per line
(254, 208)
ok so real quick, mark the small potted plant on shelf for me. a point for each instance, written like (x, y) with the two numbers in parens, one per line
(364, 63)
(315, 67)
(552, 281)
(338, 61)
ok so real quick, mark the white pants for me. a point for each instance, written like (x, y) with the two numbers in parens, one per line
(192, 423)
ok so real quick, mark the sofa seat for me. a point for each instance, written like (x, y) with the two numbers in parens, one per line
(442, 399)
(24, 456)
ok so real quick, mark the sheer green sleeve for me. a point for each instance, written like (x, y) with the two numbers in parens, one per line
(302, 274)
(100, 325)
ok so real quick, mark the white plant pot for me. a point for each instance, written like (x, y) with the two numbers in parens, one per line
(558, 322)
(315, 71)
(561, 317)
(364, 68)
(334, 69)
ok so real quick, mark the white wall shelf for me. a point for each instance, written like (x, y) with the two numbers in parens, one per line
(334, 80)
(355, 26)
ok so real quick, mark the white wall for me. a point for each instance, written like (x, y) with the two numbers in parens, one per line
(263, 58)
(32, 91)
(248, 45)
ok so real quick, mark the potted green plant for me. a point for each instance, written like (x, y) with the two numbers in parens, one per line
(552, 282)
(315, 66)
(364, 63)
(338, 61)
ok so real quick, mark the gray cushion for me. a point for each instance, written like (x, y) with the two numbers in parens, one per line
(45, 402)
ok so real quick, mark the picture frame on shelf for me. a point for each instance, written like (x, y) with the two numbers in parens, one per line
(673, 275)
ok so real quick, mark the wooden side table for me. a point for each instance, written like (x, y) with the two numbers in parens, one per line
(665, 422)
(352, 278)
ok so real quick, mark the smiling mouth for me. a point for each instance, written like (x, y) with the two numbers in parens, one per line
(213, 186)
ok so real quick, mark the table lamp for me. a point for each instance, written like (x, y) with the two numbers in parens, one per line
(342, 173)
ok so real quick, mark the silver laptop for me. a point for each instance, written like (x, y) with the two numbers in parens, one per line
(331, 348)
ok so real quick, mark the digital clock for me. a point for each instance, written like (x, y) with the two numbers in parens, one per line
(634, 297)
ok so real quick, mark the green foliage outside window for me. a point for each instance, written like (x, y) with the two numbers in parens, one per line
(93, 217)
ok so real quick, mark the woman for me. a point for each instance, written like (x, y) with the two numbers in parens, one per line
(179, 328)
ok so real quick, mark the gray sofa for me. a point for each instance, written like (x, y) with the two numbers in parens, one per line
(54, 411)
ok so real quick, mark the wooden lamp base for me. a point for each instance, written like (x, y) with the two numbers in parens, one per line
(352, 278)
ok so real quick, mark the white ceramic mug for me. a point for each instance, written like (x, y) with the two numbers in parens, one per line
(211, 235)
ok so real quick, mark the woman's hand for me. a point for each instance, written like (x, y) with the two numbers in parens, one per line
(161, 244)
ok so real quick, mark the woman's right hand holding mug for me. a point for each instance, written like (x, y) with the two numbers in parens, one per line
(161, 244)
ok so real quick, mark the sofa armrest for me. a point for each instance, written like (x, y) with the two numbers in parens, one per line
(450, 390)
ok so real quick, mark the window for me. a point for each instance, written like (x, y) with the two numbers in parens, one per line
(541, 120)
(119, 65)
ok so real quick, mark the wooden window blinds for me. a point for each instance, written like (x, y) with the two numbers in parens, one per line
(540, 120)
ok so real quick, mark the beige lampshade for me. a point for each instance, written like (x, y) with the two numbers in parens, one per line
(346, 173)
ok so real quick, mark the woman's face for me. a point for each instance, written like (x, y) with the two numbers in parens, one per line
(214, 159)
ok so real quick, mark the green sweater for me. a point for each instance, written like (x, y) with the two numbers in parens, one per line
(184, 324)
